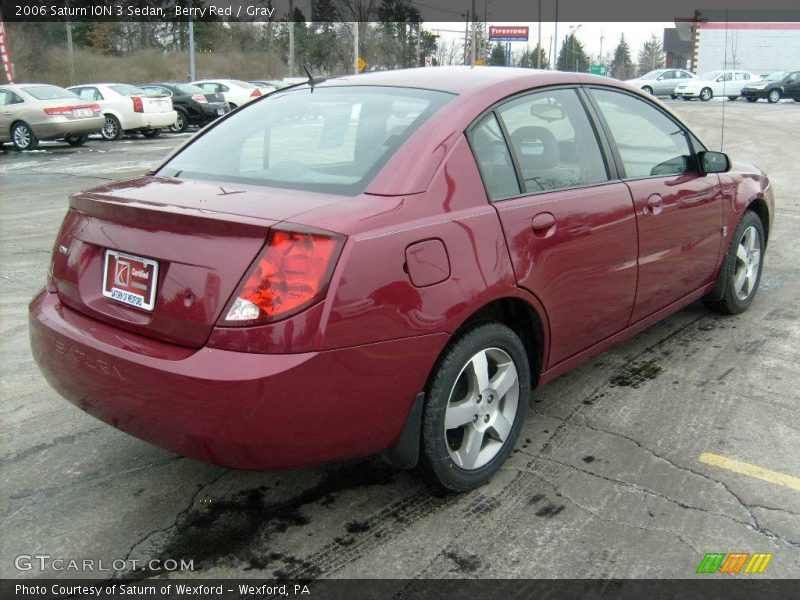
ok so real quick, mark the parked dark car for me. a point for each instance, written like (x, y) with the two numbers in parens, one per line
(394, 275)
(783, 84)
(194, 105)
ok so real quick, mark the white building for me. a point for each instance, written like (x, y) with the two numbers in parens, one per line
(761, 48)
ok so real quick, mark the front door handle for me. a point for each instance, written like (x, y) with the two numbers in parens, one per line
(654, 204)
(543, 224)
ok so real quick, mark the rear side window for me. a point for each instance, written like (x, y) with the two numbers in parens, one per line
(329, 139)
(494, 159)
(127, 90)
(553, 140)
(649, 142)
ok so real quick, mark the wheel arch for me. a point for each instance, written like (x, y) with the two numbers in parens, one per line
(523, 318)
(761, 209)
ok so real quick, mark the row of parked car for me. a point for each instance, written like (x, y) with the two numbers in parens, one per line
(33, 112)
(730, 83)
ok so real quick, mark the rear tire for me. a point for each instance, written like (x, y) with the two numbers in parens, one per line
(77, 140)
(22, 137)
(475, 404)
(151, 133)
(741, 269)
(752, 99)
(673, 96)
(647, 90)
(773, 96)
(732, 98)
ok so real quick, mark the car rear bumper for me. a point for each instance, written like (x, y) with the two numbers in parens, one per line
(59, 128)
(251, 411)
(149, 120)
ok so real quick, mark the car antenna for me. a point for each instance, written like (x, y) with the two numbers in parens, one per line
(311, 80)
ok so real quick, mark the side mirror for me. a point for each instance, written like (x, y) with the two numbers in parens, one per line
(713, 162)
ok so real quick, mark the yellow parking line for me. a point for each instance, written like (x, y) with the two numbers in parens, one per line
(744, 468)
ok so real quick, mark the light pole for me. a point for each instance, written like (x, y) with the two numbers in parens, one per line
(192, 70)
(573, 30)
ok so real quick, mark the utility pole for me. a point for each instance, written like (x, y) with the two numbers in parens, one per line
(539, 43)
(291, 38)
(419, 62)
(472, 42)
(554, 54)
(192, 70)
(355, 47)
(70, 55)
(600, 61)
(466, 36)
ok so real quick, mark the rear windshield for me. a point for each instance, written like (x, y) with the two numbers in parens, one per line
(127, 90)
(48, 92)
(188, 88)
(330, 139)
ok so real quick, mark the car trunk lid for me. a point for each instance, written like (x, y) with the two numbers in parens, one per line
(202, 237)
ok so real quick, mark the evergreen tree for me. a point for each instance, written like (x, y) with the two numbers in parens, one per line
(497, 55)
(572, 56)
(651, 56)
(622, 65)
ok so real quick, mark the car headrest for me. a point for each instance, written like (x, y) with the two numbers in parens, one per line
(536, 147)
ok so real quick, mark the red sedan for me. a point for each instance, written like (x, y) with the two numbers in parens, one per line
(389, 263)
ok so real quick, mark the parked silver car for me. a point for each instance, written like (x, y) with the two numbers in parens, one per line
(661, 82)
(30, 112)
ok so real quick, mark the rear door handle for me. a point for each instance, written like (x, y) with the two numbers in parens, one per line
(654, 204)
(543, 224)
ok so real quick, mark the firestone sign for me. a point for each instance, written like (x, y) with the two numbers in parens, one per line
(510, 33)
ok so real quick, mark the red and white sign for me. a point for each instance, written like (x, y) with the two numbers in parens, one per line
(5, 57)
(130, 279)
(508, 33)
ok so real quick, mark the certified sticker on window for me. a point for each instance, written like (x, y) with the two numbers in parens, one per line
(130, 279)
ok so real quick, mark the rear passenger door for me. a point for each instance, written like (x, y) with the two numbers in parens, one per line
(678, 209)
(569, 226)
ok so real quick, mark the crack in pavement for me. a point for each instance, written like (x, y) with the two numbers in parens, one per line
(754, 525)
(200, 488)
(598, 515)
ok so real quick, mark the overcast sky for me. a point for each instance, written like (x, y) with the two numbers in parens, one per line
(588, 33)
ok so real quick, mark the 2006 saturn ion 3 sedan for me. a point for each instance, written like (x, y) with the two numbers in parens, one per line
(389, 263)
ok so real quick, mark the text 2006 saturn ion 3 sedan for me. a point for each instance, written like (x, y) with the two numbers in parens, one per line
(389, 263)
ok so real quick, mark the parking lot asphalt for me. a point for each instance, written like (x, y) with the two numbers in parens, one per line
(623, 468)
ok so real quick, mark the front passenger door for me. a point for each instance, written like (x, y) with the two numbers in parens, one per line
(678, 209)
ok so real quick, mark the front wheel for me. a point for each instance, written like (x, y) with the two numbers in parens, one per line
(151, 133)
(741, 270)
(706, 94)
(77, 140)
(475, 404)
(774, 96)
(23, 138)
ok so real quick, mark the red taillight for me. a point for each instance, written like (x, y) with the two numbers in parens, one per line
(200, 98)
(256, 93)
(138, 105)
(292, 273)
(94, 107)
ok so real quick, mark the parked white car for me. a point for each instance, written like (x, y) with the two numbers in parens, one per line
(128, 109)
(236, 92)
(715, 83)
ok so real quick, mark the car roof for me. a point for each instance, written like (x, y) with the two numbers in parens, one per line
(459, 80)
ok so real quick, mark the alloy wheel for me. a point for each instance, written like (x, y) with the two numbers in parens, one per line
(177, 126)
(774, 96)
(110, 129)
(748, 263)
(705, 94)
(22, 137)
(482, 408)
